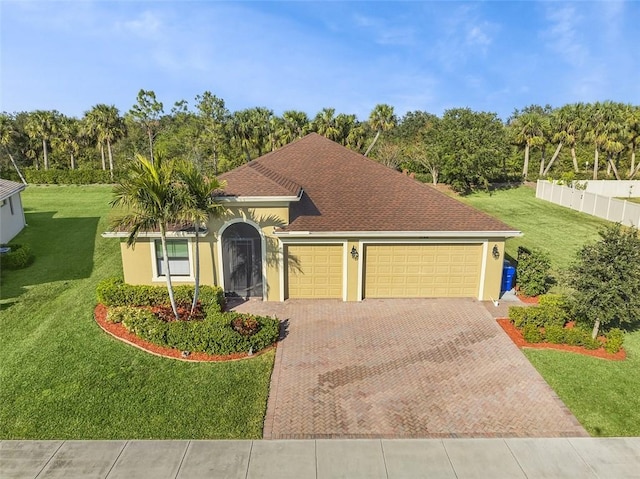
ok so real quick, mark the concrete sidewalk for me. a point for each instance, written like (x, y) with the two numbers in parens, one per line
(514, 458)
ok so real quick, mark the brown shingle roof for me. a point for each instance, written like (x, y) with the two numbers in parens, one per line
(345, 191)
(8, 188)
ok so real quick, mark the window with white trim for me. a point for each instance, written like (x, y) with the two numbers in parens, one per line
(178, 252)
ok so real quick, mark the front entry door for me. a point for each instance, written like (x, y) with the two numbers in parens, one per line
(242, 259)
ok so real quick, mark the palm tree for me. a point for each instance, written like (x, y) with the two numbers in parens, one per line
(381, 119)
(565, 126)
(603, 130)
(324, 124)
(153, 201)
(198, 205)
(7, 133)
(42, 125)
(530, 133)
(67, 139)
(296, 124)
(632, 121)
(105, 122)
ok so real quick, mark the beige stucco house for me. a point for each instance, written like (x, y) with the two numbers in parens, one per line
(11, 213)
(317, 220)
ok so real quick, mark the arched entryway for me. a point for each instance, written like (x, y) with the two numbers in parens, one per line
(242, 261)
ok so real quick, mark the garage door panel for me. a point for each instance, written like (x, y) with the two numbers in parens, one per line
(422, 270)
(315, 271)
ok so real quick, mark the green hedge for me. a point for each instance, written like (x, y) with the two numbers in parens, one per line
(114, 292)
(69, 177)
(532, 272)
(19, 257)
(213, 335)
(546, 323)
(129, 305)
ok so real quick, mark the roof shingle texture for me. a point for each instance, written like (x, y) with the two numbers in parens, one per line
(8, 188)
(346, 191)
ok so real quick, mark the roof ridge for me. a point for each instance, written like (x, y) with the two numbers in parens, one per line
(275, 177)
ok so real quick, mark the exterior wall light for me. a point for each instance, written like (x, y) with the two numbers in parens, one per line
(354, 252)
(495, 252)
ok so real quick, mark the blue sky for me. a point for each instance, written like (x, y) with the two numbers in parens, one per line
(431, 56)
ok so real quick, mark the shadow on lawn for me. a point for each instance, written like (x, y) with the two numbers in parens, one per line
(63, 250)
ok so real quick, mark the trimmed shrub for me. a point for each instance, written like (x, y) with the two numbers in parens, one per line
(115, 292)
(70, 177)
(532, 273)
(213, 335)
(555, 334)
(615, 339)
(532, 334)
(517, 315)
(19, 257)
(581, 337)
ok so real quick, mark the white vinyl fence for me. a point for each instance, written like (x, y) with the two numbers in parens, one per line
(606, 207)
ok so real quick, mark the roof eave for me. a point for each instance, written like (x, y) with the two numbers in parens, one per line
(400, 234)
(155, 234)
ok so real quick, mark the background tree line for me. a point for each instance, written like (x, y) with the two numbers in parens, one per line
(463, 148)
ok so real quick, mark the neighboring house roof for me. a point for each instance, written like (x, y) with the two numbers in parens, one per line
(345, 191)
(9, 188)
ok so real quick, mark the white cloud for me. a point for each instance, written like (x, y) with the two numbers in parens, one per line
(563, 34)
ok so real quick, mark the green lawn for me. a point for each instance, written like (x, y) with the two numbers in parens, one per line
(603, 395)
(555, 229)
(62, 377)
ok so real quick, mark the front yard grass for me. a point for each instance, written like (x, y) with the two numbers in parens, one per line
(603, 395)
(62, 377)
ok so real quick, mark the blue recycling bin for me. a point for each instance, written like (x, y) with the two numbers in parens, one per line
(508, 277)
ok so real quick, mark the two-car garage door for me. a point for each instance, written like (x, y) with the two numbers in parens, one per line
(422, 270)
(389, 270)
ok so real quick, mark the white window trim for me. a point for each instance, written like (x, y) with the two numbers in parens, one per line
(175, 279)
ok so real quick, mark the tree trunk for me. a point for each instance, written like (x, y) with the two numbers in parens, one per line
(608, 167)
(150, 134)
(596, 329)
(196, 290)
(637, 170)
(73, 162)
(167, 271)
(110, 160)
(541, 172)
(575, 159)
(104, 164)
(553, 158)
(613, 167)
(15, 165)
(633, 162)
(595, 164)
(434, 176)
(525, 168)
(46, 154)
(366, 153)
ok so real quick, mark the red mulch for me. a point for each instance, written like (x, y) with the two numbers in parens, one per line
(516, 336)
(118, 331)
(528, 299)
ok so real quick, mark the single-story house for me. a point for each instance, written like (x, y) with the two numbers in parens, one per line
(11, 213)
(317, 220)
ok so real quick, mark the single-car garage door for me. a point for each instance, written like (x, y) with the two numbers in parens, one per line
(419, 270)
(314, 271)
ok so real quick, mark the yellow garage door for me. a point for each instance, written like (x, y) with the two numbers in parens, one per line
(419, 271)
(314, 271)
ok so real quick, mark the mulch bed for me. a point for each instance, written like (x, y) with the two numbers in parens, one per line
(516, 336)
(528, 299)
(118, 331)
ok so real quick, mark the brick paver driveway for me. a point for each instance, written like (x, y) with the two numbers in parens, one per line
(403, 368)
